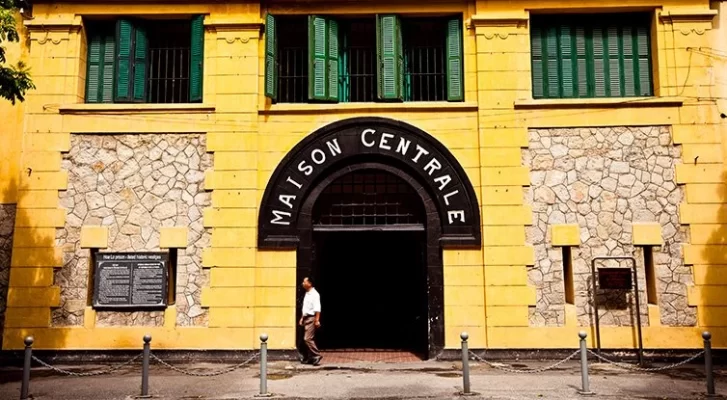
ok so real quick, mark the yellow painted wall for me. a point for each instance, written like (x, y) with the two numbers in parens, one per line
(486, 290)
(11, 130)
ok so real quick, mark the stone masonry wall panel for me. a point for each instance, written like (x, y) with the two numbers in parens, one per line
(604, 179)
(134, 184)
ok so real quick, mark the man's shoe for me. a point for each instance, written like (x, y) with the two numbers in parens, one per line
(317, 361)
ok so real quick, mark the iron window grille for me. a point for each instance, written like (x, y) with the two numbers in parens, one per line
(292, 59)
(382, 58)
(368, 198)
(425, 60)
(169, 53)
(144, 61)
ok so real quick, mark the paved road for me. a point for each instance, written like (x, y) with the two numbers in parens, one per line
(426, 380)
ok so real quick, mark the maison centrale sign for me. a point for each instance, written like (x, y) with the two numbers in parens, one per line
(413, 152)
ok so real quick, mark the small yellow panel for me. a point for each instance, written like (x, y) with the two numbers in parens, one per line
(34, 297)
(565, 235)
(280, 317)
(238, 317)
(510, 296)
(31, 277)
(38, 199)
(37, 257)
(173, 237)
(23, 317)
(647, 234)
(89, 318)
(506, 275)
(507, 316)
(95, 237)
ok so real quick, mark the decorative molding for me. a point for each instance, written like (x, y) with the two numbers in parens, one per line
(612, 102)
(126, 108)
(54, 25)
(682, 16)
(509, 19)
(232, 25)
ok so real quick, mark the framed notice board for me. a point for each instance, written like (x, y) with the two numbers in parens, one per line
(130, 280)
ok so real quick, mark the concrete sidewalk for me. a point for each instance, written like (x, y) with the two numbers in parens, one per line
(423, 380)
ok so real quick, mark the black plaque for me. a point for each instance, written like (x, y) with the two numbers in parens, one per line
(130, 280)
(615, 278)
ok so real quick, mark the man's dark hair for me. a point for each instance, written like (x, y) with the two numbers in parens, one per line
(310, 280)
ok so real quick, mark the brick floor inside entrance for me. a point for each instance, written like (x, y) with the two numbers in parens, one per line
(342, 356)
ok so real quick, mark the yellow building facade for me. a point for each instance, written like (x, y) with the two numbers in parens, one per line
(542, 149)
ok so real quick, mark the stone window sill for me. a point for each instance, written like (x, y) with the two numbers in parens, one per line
(620, 102)
(190, 108)
(440, 106)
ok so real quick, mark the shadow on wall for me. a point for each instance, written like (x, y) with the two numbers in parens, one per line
(27, 279)
(712, 275)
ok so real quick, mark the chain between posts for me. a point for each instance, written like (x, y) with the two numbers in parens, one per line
(83, 374)
(204, 374)
(639, 369)
(525, 371)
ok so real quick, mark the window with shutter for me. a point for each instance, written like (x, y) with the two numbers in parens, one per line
(591, 56)
(455, 88)
(141, 67)
(391, 58)
(124, 61)
(101, 60)
(137, 61)
(271, 58)
(323, 57)
(196, 59)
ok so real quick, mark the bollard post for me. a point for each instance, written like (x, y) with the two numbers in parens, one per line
(465, 363)
(585, 385)
(708, 363)
(25, 387)
(145, 366)
(264, 365)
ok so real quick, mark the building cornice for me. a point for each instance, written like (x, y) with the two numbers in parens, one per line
(693, 15)
(54, 25)
(500, 19)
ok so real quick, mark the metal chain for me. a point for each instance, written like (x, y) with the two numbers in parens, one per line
(214, 373)
(81, 374)
(635, 368)
(525, 371)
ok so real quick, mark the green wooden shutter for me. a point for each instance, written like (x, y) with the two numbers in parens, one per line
(455, 84)
(196, 59)
(536, 61)
(332, 60)
(271, 59)
(95, 68)
(615, 58)
(317, 58)
(600, 75)
(101, 60)
(124, 62)
(141, 67)
(584, 57)
(566, 63)
(643, 61)
(390, 56)
(581, 62)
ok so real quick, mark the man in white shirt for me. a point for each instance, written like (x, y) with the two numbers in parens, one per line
(310, 320)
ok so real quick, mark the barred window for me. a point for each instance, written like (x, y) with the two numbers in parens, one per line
(143, 61)
(381, 58)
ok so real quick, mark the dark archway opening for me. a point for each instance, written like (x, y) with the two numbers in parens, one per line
(373, 251)
(370, 263)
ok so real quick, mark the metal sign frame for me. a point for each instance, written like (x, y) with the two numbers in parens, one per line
(638, 303)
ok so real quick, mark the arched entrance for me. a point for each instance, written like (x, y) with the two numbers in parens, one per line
(369, 203)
